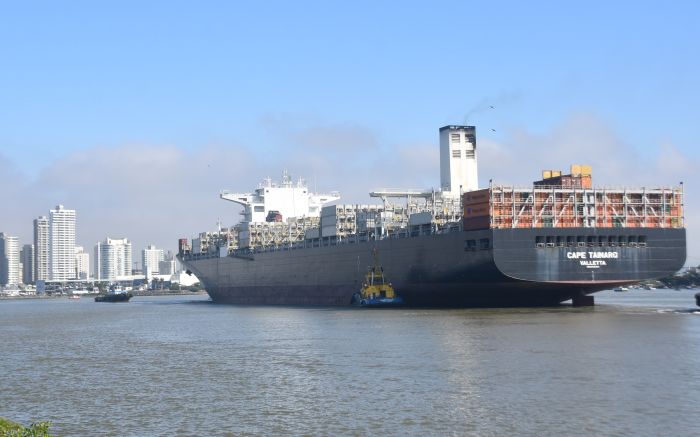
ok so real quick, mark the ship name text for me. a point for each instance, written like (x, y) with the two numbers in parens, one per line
(592, 260)
(592, 255)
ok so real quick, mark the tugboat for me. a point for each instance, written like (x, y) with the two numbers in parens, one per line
(376, 291)
(114, 296)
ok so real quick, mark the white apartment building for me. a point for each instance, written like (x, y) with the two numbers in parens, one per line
(82, 263)
(150, 260)
(61, 244)
(41, 249)
(113, 259)
(9, 260)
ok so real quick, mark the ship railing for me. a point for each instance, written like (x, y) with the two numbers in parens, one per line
(339, 241)
(247, 253)
(198, 256)
(606, 188)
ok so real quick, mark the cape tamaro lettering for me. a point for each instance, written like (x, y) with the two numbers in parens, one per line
(592, 255)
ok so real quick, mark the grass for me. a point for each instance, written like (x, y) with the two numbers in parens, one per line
(9, 428)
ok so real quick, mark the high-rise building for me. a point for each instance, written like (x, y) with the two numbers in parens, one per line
(41, 249)
(151, 257)
(166, 267)
(26, 256)
(112, 258)
(9, 260)
(82, 263)
(169, 265)
(61, 244)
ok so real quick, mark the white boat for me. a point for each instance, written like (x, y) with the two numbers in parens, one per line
(620, 289)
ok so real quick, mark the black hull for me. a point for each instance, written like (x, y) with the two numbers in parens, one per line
(117, 297)
(487, 268)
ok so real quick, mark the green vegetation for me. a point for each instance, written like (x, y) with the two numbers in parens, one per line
(194, 287)
(690, 278)
(12, 429)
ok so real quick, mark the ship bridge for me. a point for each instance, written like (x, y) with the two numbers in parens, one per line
(290, 199)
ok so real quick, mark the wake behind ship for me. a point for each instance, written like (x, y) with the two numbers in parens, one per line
(559, 239)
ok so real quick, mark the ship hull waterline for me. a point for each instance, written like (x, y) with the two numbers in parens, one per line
(485, 268)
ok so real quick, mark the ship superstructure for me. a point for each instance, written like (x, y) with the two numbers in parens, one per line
(288, 198)
(559, 239)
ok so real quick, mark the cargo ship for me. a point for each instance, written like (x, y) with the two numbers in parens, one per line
(559, 239)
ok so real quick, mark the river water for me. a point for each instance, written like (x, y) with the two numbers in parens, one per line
(184, 366)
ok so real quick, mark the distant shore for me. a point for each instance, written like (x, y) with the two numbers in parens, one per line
(167, 292)
(135, 293)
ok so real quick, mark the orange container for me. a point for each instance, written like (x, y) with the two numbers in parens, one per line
(474, 223)
(478, 196)
(477, 209)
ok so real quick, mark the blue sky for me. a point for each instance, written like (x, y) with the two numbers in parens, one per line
(267, 79)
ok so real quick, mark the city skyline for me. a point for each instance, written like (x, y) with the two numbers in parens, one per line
(140, 137)
(41, 230)
(54, 236)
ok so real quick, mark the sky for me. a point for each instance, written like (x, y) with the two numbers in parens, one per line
(137, 114)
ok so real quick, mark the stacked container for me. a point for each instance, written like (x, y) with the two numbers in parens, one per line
(569, 201)
(476, 209)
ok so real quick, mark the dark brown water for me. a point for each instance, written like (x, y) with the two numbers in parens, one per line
(183, 366)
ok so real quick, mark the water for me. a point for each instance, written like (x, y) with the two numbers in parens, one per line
(184, 366)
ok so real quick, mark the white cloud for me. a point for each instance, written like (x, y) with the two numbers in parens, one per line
(580, 139)
(352, 159)
(150, 194)
(155, 194)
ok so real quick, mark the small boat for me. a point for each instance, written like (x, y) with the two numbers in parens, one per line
(114, 296)
(376, 291)
(697, 299)
(620, 289)
(74, 297)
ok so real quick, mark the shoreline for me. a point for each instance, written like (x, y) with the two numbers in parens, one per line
(139, 294)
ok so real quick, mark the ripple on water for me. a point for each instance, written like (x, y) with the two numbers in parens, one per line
(168, 367)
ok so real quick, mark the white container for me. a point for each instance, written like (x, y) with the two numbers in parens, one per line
(421, 218)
